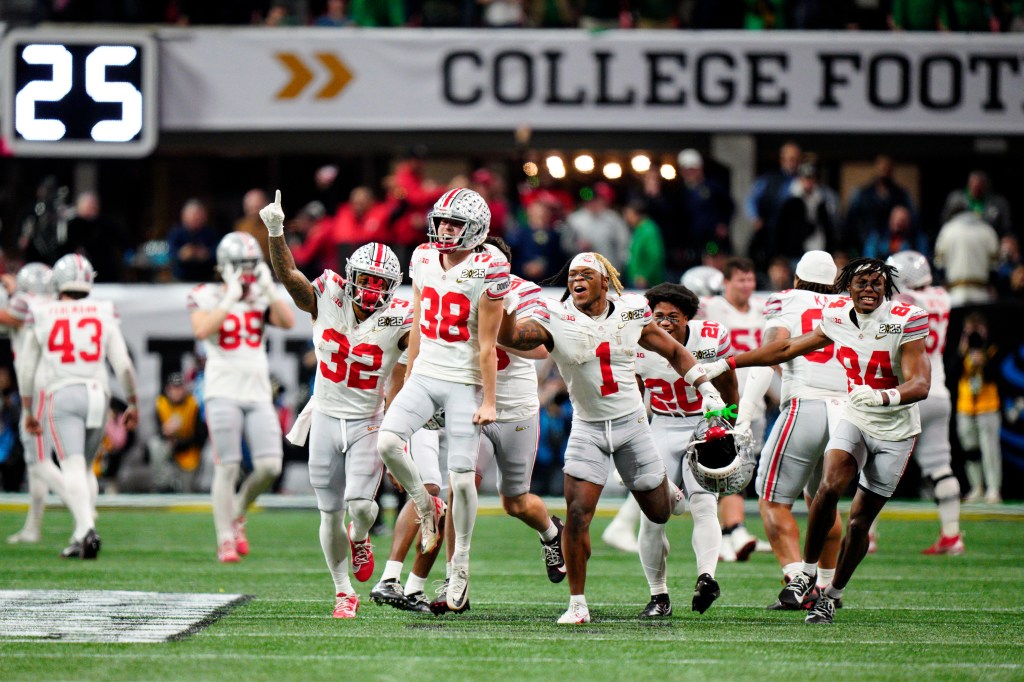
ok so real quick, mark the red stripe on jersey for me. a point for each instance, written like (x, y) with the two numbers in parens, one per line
(540, 312)
(319, 282)
(58, 446)
(916, 328)
(40, 453)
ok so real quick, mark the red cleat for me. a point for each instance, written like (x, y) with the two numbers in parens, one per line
(362, 557)
(227, 554)
(346, 605)
(947, 544)
(241, 541)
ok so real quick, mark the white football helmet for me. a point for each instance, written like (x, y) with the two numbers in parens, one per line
(378, 267)
(719, 457)
(243, 252)
(704, 280)
(34, 278)
(73, 273)
(912, 270)
(463, 205)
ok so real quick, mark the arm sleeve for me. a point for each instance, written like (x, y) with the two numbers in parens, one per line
(752, 393)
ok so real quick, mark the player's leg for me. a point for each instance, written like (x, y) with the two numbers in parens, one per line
(327, 458)
(463, 438)
(224, 422)
(991, 455)
(774, 489)
(967, 434)
(363, 473)
(263, 434)
(413, 406)
(642, 470)
(934, 456)
(66, 413)
(43, 476)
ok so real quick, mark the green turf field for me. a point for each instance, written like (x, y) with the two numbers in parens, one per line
(907, 616)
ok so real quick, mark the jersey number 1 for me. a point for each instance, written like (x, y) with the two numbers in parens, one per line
(608, 383)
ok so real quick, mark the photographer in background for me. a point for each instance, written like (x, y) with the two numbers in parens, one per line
(978, 419)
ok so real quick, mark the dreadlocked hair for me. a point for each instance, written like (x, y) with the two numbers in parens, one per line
(501, 245)
(815, 287)
(863, 266)
(562, 276)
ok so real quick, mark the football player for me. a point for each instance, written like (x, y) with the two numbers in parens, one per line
(933, 453)
(813, 396)
(33, 283)
(359, 331)
(593, 339)
(740, 311)
(881, 345)
(228, 320)
(678, 408)
(458, 284)
(67, 344)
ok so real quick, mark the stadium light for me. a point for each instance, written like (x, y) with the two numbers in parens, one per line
(668, 171)
(641, 163)
(555, 166)
(530, 169)
(612, 171)
(584, 163)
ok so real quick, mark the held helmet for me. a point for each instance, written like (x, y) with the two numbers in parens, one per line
(912, 270)
(704, 280)
(73, 273)
(34, 278)
(241, 251)
(719, 458)
(465, 206)
(372, 275)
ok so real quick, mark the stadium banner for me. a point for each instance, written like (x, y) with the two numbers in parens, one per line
(421, 79)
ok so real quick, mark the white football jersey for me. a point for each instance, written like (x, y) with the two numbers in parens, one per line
(870, 352)
(74, 338)
(354, 359)
(670, 393)
(745, 328)
(597, 358)
(516, 389)
(236, 356)
(19, 310)
(935, 301)
(817, 375)
(449, 305)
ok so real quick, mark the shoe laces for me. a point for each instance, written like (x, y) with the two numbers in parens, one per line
(361, 552)
(440, 588)
(825, 605)
(799, 584)
(552, 554)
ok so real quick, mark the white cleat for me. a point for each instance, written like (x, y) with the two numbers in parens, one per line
(577, 614)
(457, 596)
(621, 538)
(429, 525)
(763, 546)
(23, 537)
(726, 554)
(743, 543)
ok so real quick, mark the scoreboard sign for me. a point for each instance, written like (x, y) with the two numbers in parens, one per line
(80, 94)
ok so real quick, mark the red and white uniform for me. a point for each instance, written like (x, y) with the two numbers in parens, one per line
(868, 347)
(19, 309)
(449, 305)
(935, 301)
(236, 356)
(745, 328)
(817, 375)
(670, 393)
(597, 358)
(516, 388)
(354, 359)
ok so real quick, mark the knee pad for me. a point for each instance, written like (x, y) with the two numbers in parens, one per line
(364, 510)
(463, 481)
(267, 466)
(646, 482)
(703, 506)
(947, 487)
(389, 445)
(328, 500)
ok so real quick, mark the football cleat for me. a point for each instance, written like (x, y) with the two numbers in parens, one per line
(553, 559)
(418, 602)
(621, 538)
(362, 557)
(429, 525)
(439, 606)
(705, 592)
(806, 604)
(823, 612)
(743, 543)
(796, 590)
(23, 537)
(91, 545)
(227, 554)
(345, 605)
(241, 541)
(726, 554)
(576, 614)
(389, 592)
(763, 546)
(947, 544)
(72, 551)
(660, 606)
(457, 594)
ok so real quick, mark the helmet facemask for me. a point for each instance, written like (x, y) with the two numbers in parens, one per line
(459, 206)
(719, 457)
(369, 291)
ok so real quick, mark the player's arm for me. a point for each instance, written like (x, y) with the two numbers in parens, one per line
(413, 344)
(121, 362)
(759, 379)
(488, 320)
(523, 335)
(25, 365)
(780, 351)
(8, 320)
(917, 379)
(281, 259)
(657, 340)
(538, 353)
(207, 322)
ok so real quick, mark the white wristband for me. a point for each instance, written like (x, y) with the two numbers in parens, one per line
(276, 230)
(894, 396)
(694, 373)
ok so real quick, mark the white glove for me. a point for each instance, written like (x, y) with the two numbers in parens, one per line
(232, 286)
(712, 398)
(273, 216)
(742, 432)
(716, 369)
(865, 396)
(265, 285)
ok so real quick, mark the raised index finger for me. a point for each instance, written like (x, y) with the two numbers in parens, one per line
(277, 198)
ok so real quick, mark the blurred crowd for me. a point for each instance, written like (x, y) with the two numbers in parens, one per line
(874, 15)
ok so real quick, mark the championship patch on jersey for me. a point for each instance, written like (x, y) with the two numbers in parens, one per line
(390, 321)
(890, 329)
(635, 314)
(706, 354)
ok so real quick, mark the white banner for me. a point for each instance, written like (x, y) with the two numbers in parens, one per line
(419, 79)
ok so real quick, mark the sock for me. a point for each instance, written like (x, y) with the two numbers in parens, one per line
(550, 534)
(789, 570)
(834, 592)
(334, 543)
(577, 599)
(222, 492)
(363, 513)
(264, 472)
(50, 474)
(825, 576)
(76, 487)
(415, 584)
(810, 569)
(448, 570)
(398, 461)
(727, 530)
(654, 548)
(392, 571)
(947, 497)
(94, 486)
(464, 504)
(37, 490)
(707, 534)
